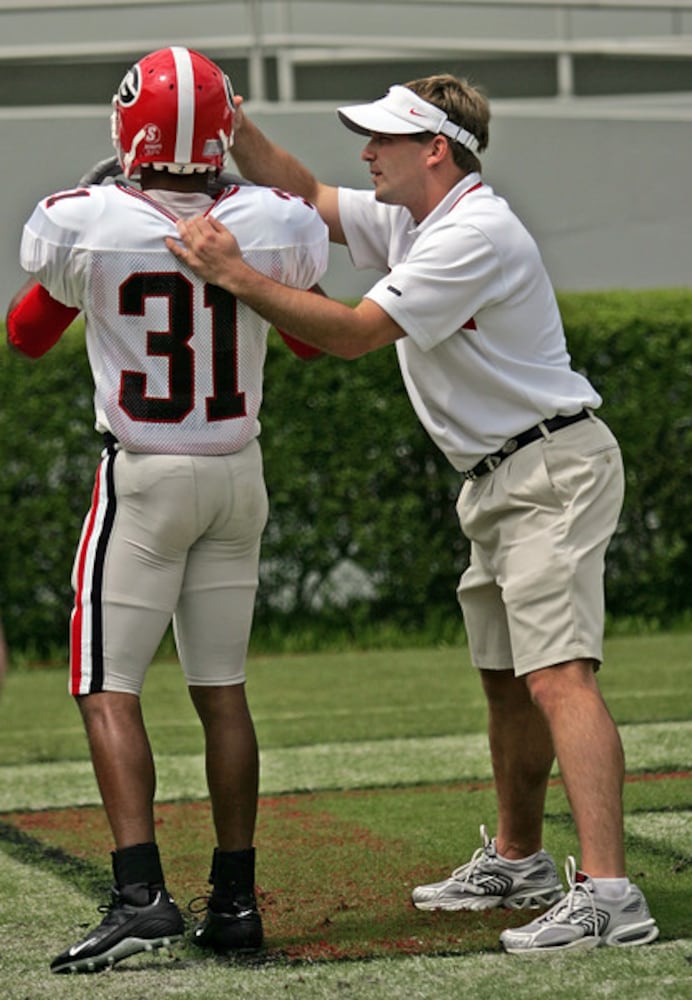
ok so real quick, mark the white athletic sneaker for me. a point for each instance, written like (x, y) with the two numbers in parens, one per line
(488, 881)
(584, 920)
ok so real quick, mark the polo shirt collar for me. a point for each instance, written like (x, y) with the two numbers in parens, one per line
(454, 195)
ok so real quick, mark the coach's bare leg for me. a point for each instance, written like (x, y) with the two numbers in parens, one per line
(232, 763)
(123, 764)
(591, 760)
(521, 751)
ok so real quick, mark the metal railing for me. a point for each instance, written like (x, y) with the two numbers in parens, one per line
(294, 48)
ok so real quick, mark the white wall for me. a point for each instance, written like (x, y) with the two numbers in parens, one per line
(604, 187)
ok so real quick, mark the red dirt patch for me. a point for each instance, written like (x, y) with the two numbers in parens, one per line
(319, 898)
(329, 887)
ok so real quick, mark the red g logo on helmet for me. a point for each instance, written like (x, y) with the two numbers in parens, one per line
(190, 100)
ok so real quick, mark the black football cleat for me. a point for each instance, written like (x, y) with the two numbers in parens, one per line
(126, 929)
(230, 926)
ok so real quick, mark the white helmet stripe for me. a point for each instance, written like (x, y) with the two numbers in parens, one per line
(186, 104)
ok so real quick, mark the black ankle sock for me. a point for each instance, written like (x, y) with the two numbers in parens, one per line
(139, 865)
(138, 893)
(233, 873)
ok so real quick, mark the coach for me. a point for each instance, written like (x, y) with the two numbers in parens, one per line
(467, 301)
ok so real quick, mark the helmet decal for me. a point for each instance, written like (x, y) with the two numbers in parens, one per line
(174, 110)
(152, 143)
(229, 91)
(129, 89)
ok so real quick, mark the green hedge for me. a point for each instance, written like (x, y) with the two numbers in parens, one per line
(362, 529)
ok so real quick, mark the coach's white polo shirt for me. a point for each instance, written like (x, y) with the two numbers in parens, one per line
(485, 357)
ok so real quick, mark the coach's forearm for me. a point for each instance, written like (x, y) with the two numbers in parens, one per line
(262, 162)
(321, 322)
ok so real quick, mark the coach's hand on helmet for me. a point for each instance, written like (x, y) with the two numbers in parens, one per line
(239, 116)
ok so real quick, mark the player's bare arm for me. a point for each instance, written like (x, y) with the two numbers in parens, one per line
(263, 162)
(213, 253)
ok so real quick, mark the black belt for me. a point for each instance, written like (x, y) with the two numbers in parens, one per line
(491, 462)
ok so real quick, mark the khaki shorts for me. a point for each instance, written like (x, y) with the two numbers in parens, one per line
(539, 526)
(167, 538)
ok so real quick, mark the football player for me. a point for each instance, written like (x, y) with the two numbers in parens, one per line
(179, 502)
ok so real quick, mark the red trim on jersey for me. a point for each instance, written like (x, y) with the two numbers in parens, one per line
(38, 321)
(227, 193)
(143, 196)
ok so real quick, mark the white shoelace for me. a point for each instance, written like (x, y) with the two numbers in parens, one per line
(462, 873)
(577, 898)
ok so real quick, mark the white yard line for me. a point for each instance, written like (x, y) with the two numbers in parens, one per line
(654, 746)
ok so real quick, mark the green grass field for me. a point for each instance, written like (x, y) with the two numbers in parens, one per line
(375, 776)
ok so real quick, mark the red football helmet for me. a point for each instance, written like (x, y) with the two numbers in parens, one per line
(174, 110)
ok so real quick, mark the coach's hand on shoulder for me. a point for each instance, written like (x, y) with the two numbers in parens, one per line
(209, 248)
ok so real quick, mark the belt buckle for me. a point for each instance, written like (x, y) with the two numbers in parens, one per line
(491, 462)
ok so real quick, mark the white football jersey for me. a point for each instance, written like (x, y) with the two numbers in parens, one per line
(177, 363)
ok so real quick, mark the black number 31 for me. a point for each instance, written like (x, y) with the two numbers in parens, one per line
(226, 402)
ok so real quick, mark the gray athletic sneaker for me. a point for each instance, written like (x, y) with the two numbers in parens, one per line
(488, 881)
(584, 920)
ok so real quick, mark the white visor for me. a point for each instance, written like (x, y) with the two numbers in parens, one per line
(401, 112)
